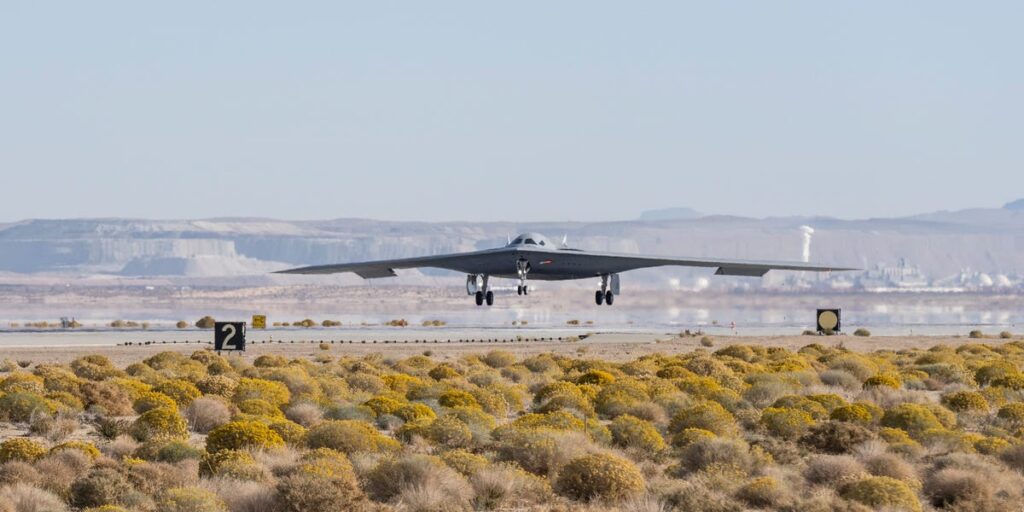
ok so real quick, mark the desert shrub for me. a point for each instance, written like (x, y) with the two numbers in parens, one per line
(719, 454)
(219, 385)
(457, 398)
(985, 374)
(915, 419)
(833, 470)
(325, 481)
(181, 391)
(207, 413)
(1014, 381)
(189, 499)
(805, 404)
(148, 400)
(101, 486)
(710, 416)
(880, 491)
(159, 423)
(836, 437)
(631, 432)
(615, 399)
(556, 420)
(540, 451)
(1013, 457)
(601, 476)
(893, 466)
(965, 401)
(95, 367)
(840, 378)
(22, 382)
(853, 413)
(764, 492)
(292, 433)
(107, 397)
(598, 377)
(238, 435)
(270, 391)
(26, 498)
(206, 322)
(349, 436)
(415, 411)
(21, 449)
(442, 372)
(689, 435)
(889, 381)
(305, 414)
(464, 461)
(503, 486)
(85, 447)
(498, 359)
(561, 395)
(259, 408)
(1012, 414)
(236, 464)
(449, 432)
(952, 487)
(20, 407)
(786, 423)
(862, 332)
(383, 405)
(394, 475)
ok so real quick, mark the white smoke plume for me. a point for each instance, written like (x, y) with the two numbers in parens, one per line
(806, 231)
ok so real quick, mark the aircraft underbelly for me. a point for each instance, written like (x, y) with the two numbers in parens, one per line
(542, 267)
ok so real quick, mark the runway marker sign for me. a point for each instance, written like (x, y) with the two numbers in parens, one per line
(829, 320)
(259, 321)
(229, 336)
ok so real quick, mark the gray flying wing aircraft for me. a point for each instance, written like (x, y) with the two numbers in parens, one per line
(533, 256)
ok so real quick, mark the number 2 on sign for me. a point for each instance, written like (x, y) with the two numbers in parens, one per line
(229, 328)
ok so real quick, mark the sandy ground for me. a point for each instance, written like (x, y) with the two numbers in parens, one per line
(616, 346)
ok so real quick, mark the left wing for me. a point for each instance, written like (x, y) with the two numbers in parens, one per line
(386, 268)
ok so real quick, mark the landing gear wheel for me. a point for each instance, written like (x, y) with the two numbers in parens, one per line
(526, 290)
(599, 297)
(519, 290)
(609, 298)
(479, 298)
(490, 298)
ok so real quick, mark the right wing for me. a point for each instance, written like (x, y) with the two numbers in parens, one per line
(611, 263)
(386, 268)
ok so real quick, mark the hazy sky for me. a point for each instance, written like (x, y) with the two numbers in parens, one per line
(508, 110)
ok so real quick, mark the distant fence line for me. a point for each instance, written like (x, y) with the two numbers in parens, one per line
(352, 342)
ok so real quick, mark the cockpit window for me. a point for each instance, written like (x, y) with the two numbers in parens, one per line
(518, 240)
(542, 242)
(530, 241)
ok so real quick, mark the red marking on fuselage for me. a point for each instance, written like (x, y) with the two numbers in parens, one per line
(545, 262)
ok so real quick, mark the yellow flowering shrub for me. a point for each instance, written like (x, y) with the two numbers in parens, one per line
(238, 435)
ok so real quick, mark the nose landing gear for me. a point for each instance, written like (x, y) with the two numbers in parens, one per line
(522, 268)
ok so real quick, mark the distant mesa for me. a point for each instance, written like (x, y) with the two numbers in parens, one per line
(1017, 205)
(671, 214)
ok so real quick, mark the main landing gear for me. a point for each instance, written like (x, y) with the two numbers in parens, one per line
(482, 293)
(609, 287)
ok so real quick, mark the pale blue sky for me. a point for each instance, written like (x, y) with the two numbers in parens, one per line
(518, 111)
